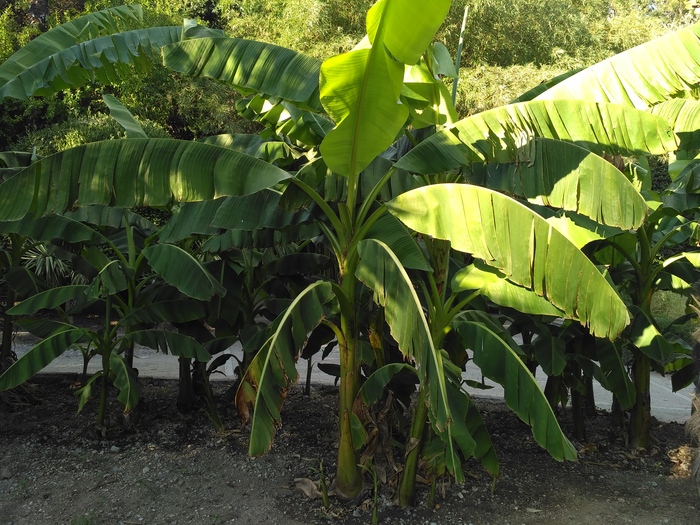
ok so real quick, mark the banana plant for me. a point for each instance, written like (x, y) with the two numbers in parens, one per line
(345, 97)
(639, 268)
(144, 283)
(662, 77)
(426, 330)
(19, 280)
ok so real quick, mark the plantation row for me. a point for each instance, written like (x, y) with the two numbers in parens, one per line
(364, 215)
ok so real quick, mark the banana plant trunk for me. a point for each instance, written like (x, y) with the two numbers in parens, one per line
(640, 417)
(577, 407)
(7, 327)
(407, 487)
(439, 252)
(640, 420)
(17, 242)
(102, 409)
(348, 482)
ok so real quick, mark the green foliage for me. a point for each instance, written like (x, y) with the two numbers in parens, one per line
(319, 28)
(666, 307)
(525, 31)
(551, 32)
(483, 87)
(14, 32)
(78, 131)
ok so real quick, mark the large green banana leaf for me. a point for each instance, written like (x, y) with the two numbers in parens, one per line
(171, 311)
(124, 118)
(389, 230)
(104, 59)
(39, 357)
(260, 239)
(580, 230)
(250, 66)
(519, 243)
(667, 67)
(276, 152)
(87, 27)
(190, 218)
(246, 213)
(563, 175)
(12, 162)
(500, 362)
(615, 377)
(112, 279)
(133, 172)
(266, 381)
(183, 271)
(405, 27)
(498, 135)
(259, 210)
(381, 271)
(111, 217)
(360, 90)
(43, 328)
(50, 299)
(24, 282)
(126, 381)
(54, 227)
(649, 340)
(550, 353)
(684, 117)
(540, 88)
(493, 284)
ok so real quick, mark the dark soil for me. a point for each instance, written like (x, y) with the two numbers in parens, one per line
(175, 468)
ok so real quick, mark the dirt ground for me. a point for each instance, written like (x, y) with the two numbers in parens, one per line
(175, 469)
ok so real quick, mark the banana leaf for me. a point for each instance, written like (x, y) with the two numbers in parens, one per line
(173, 311)
(381, 271)
(111, 280)
(126, 381)
(615, 377)
(493, 284)
(667, 67)
(179, 269)
(132, 172)
(111, 217)
(540, 88)
(179, 345)
(647, 338)
(563, 175)
(124, 118)
(520, 244)
(498, 360)
(265, 383)
(684, 117)
(105, 59)
(259, 239)
(87, 27)
(39, 356)
(500, 134)
(49, 299)
(360, 89)
(389, 230)
(250, 66)
(54, 227)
